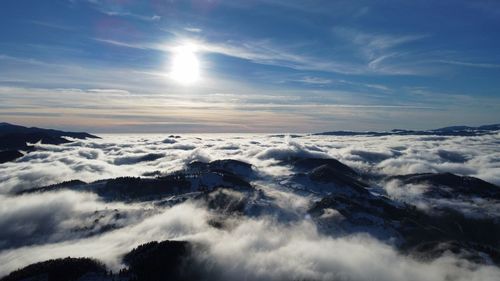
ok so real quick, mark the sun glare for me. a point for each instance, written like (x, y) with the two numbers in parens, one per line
(185, 65)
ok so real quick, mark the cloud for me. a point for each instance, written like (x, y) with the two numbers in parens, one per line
(277, 241)
(470, 64)
(369, 53)
(63, 216)
(414, 194)
(260, 52)
(371, 156)
(290, 149)
(373, 42)
(263, 250)
(260, 249)
(128, 160)
(51, 25)
(116, 155)
(112, 9)
(132, 15)
(314, 80)
(110, 246)
(193, 29)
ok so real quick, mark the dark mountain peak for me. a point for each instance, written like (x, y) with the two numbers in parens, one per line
(454, 128)
(492, 127)
(145, 189)
(308, 164)
(160, 261)
(7, 128)
(226, 166)
(71, 184)
(9, 155)
(65, 269)
(329, 174)
(153, 261)
(144, 251)
(15, 137)
(455, 185)
(325, 176)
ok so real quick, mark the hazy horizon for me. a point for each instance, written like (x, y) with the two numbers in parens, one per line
(148, 132)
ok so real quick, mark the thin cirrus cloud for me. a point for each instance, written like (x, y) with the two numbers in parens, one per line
(373, 53)
(471, 64)
(267, 53)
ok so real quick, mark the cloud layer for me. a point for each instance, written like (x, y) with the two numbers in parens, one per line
(118, 155)
(265, 246)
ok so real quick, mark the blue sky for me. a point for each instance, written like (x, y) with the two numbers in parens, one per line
(265, 66)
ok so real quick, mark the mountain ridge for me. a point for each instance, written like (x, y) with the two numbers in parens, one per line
(16, 138)
(458, 130)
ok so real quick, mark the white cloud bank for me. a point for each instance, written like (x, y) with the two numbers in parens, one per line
(258, 248)
(118, 155)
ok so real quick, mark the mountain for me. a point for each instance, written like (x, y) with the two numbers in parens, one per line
(59, 270)
(9, 155)
(446, 131)
(14, 138)
(8, 129)
(153, 261)
(196, 177)
(448, 185)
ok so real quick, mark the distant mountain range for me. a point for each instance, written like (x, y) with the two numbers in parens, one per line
(446, 131)
(15, 138)
(50, 136)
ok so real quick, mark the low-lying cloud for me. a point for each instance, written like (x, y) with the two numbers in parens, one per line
(41, 226)
(112, 156)
(259, 249)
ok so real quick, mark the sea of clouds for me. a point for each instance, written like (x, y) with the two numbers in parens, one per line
(41, 226)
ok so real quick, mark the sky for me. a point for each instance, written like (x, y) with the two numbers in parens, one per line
(262, 66)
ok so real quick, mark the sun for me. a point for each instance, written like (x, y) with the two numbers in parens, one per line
(185, 65)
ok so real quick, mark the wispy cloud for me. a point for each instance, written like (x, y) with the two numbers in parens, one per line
(377, 49)
(193, 29)
(123, 44)
(366, 85)
(21, 59)
(314, 80)
(373, 52)
(470, 64)
(135, 16)
(259, 52)
(111, 8)
(50, 25)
